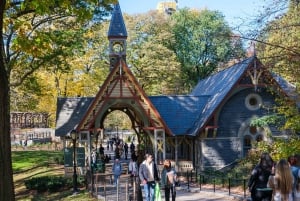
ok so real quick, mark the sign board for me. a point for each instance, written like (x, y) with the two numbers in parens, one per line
(80, 157)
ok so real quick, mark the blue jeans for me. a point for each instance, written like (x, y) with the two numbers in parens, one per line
(116, 178)
(149, 190)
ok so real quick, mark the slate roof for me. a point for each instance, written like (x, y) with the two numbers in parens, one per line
(217, 86)
(184, 115)
(117, 26)
(69, 113)
(289, 88)
(180, 112)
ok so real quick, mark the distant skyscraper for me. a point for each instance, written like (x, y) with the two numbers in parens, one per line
(167, 7)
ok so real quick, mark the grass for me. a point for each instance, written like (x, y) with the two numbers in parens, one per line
(26, 160)
(28, 164)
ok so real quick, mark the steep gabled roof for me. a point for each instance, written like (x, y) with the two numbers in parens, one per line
(180, 112)
(69, 112)
(217, 86)
(180, 115)
(120, 87)
(288, 88)
(117, 26)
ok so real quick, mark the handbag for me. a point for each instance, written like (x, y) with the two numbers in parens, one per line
(157, 194)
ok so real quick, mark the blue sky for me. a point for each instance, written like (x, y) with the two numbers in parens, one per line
(233, 10)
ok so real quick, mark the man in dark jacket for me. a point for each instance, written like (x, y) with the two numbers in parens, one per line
(148, 174)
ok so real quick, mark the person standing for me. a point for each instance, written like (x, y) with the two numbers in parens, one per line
(168, 180)
(282, 182)
(148, 174)
(101, 150)
(132, 148)
(296, 175)
(133, 170)
(117, 170)
(126, 150)
(259, 179)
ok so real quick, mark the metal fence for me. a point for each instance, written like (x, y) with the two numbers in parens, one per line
(126, 188)
(217, 182)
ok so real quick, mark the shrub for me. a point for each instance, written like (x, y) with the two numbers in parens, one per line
(46, 183)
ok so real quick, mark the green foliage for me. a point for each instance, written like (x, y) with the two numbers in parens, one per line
(202, 41)
(46, 183)
(279, 49)
(153, 63)
(44, 35)
(279, 148)
(267, 120)
(51, 183)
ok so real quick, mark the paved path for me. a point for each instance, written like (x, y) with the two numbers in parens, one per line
(193, 194)
(183, 195)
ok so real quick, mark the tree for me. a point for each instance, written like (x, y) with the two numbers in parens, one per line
(279, 48)
(151, 61)
(203, 40)
(26, 45)
(6, 180)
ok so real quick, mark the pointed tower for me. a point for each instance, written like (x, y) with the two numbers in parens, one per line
(117, 35)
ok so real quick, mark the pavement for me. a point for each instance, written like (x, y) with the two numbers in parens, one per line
(194, 194)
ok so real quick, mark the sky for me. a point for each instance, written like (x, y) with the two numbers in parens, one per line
(233, 10)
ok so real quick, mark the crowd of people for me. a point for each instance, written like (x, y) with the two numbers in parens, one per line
(269, 181)
(275, 181)
(147, 173)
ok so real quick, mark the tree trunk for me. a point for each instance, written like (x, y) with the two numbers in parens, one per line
(6, 173)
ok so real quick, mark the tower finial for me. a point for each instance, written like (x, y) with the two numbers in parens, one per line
(117, 35)
(251, 51)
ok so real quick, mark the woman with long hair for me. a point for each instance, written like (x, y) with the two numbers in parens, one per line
(259, 179)
(282, 182)
(168, 179)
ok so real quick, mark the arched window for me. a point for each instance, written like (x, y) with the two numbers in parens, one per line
(247, 143)
(259, 138)
(250, 135)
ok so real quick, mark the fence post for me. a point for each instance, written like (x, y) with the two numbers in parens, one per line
(126, 190)
(244, 188)
(134, 188)
(188, 180)
(229, 185)
(200, 181)
(214, 180)
(104, 188)
(118, 189)
(223, 181)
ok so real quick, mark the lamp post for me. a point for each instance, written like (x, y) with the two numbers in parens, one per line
(74, 136)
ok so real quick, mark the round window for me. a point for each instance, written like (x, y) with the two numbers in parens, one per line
(253, 101)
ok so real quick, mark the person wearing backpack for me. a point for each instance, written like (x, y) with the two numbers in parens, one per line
(117, 171)
(257, 183)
